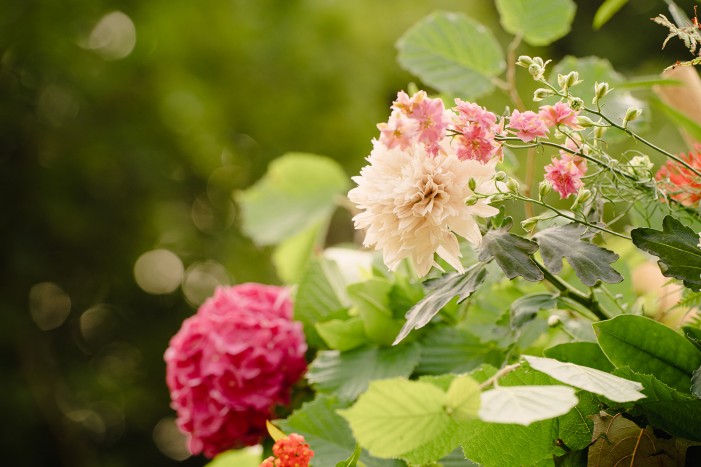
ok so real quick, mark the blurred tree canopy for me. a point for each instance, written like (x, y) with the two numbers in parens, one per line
(125, 127)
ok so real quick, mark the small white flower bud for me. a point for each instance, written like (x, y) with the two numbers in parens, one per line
(512, 185)
(535, 71)
(568, 80)
(599, 131)
(600, 90)
(524, 61)
(554, 320)
(543, 189)
(582, 197)
(539, 61)
(541, 93)
(585, 121)
(631, 114)
(576, 103)
(529, 224)
(500, 176)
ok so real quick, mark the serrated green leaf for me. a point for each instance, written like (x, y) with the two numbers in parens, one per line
(278, 206)
(647, 346)
(320, 297)
(524, 405)
(442, 291)
(463, 399)
(452, 53)
(666, 408)
(606, 11)
(605, 384)
(511, 252)
(575, 428)
(327, 433)
(693, 334)
(396, 415)
(372, 303)
(446, 349)
(342, 335)
(541, 22)
(590, 262)
(582, 353)
(347, 374)
(525, 308)
(677, 248)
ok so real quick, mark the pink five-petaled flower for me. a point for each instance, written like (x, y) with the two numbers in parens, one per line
(559, 114)
(564, 176)
(231, 363)
(528, 125)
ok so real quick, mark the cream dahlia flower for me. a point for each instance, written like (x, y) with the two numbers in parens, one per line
(413, 204)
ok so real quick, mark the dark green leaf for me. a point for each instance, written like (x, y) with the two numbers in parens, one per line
(693, 334)
(441, 292)
(677, 248)
(582, 353)
(590, 262)
(452, 53)
(606, 11)
(525, 308)
(541, 22)
(511, 252)
(446, 349)
(647, 346)
(696, 383)
(352, 461)
(347, 374)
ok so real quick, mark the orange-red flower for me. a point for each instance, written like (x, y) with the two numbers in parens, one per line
(680, 183)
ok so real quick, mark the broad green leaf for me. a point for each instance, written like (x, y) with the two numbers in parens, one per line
(693, 334)
(327, 433)
(616, 103)
(441, 292)
(274, 431)
(342, 335)
(463, 398)
(511, 252)
(247, 457)
(299, 190)
(371, 300)
(647, 346)
(606, 11)
(590, 262)
(541, 22)
(291, 256)
(696, 383)
(320, 297)
(347, 374)
(605, 384)
(524, 405)
(581, 353)
(352, 461)
(575, 428)
(675, 412)
(446, 349)
(396, 415)
(677, 248)
(525, 308)
(452, 53)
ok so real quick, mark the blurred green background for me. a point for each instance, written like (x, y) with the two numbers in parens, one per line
(125, 126)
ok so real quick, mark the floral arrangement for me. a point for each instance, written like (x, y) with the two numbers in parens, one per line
(470, 341)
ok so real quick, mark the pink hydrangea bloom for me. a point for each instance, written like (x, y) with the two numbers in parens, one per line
(564, 176)
(232, 363)
(528, 125)
(559, 114)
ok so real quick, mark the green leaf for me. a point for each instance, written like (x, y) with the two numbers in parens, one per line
(452, 53)
(348, 374)
(278, 206)
(696, 383)
(525, 308)
(541, 22)
(372, 302)
(352, 461)
(677, 248)
(590, 262)
(524, 405)
(582, 353)
(605, 384)
(463, 399)
(606, 11)
(446, 349)
(395, 416)
(511, 252)
(575, 428)
(680, 119)
(320, 297)
(693, 334)
(246, 457)
(327, 433)
(442, 291)
(647, 346)
(342, 335)
(291, 256)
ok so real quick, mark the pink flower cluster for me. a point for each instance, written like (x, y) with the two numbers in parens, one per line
(529, 125)
(565, 174)
(232, 363)
(290, 451)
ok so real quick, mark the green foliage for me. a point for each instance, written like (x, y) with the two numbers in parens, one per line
(677, 247)
(606, 11)
(511, 252)
(526, 307)
(540, 23)
(590, 262)
(452, 53)
(292, 254)
(342, 335)
(352, 461)
(237, 458)
(463, 399)
(649, 347)
(371, 300)
(442, 291)
(582, 353)
(396, 415)
(278, 206)
(447, 349)
(347, 374)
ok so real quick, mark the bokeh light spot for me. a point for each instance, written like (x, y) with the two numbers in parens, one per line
(113, 37)
(98, 324)
(201, 279)
(49, 305)
(169, 440)
(158, 271)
